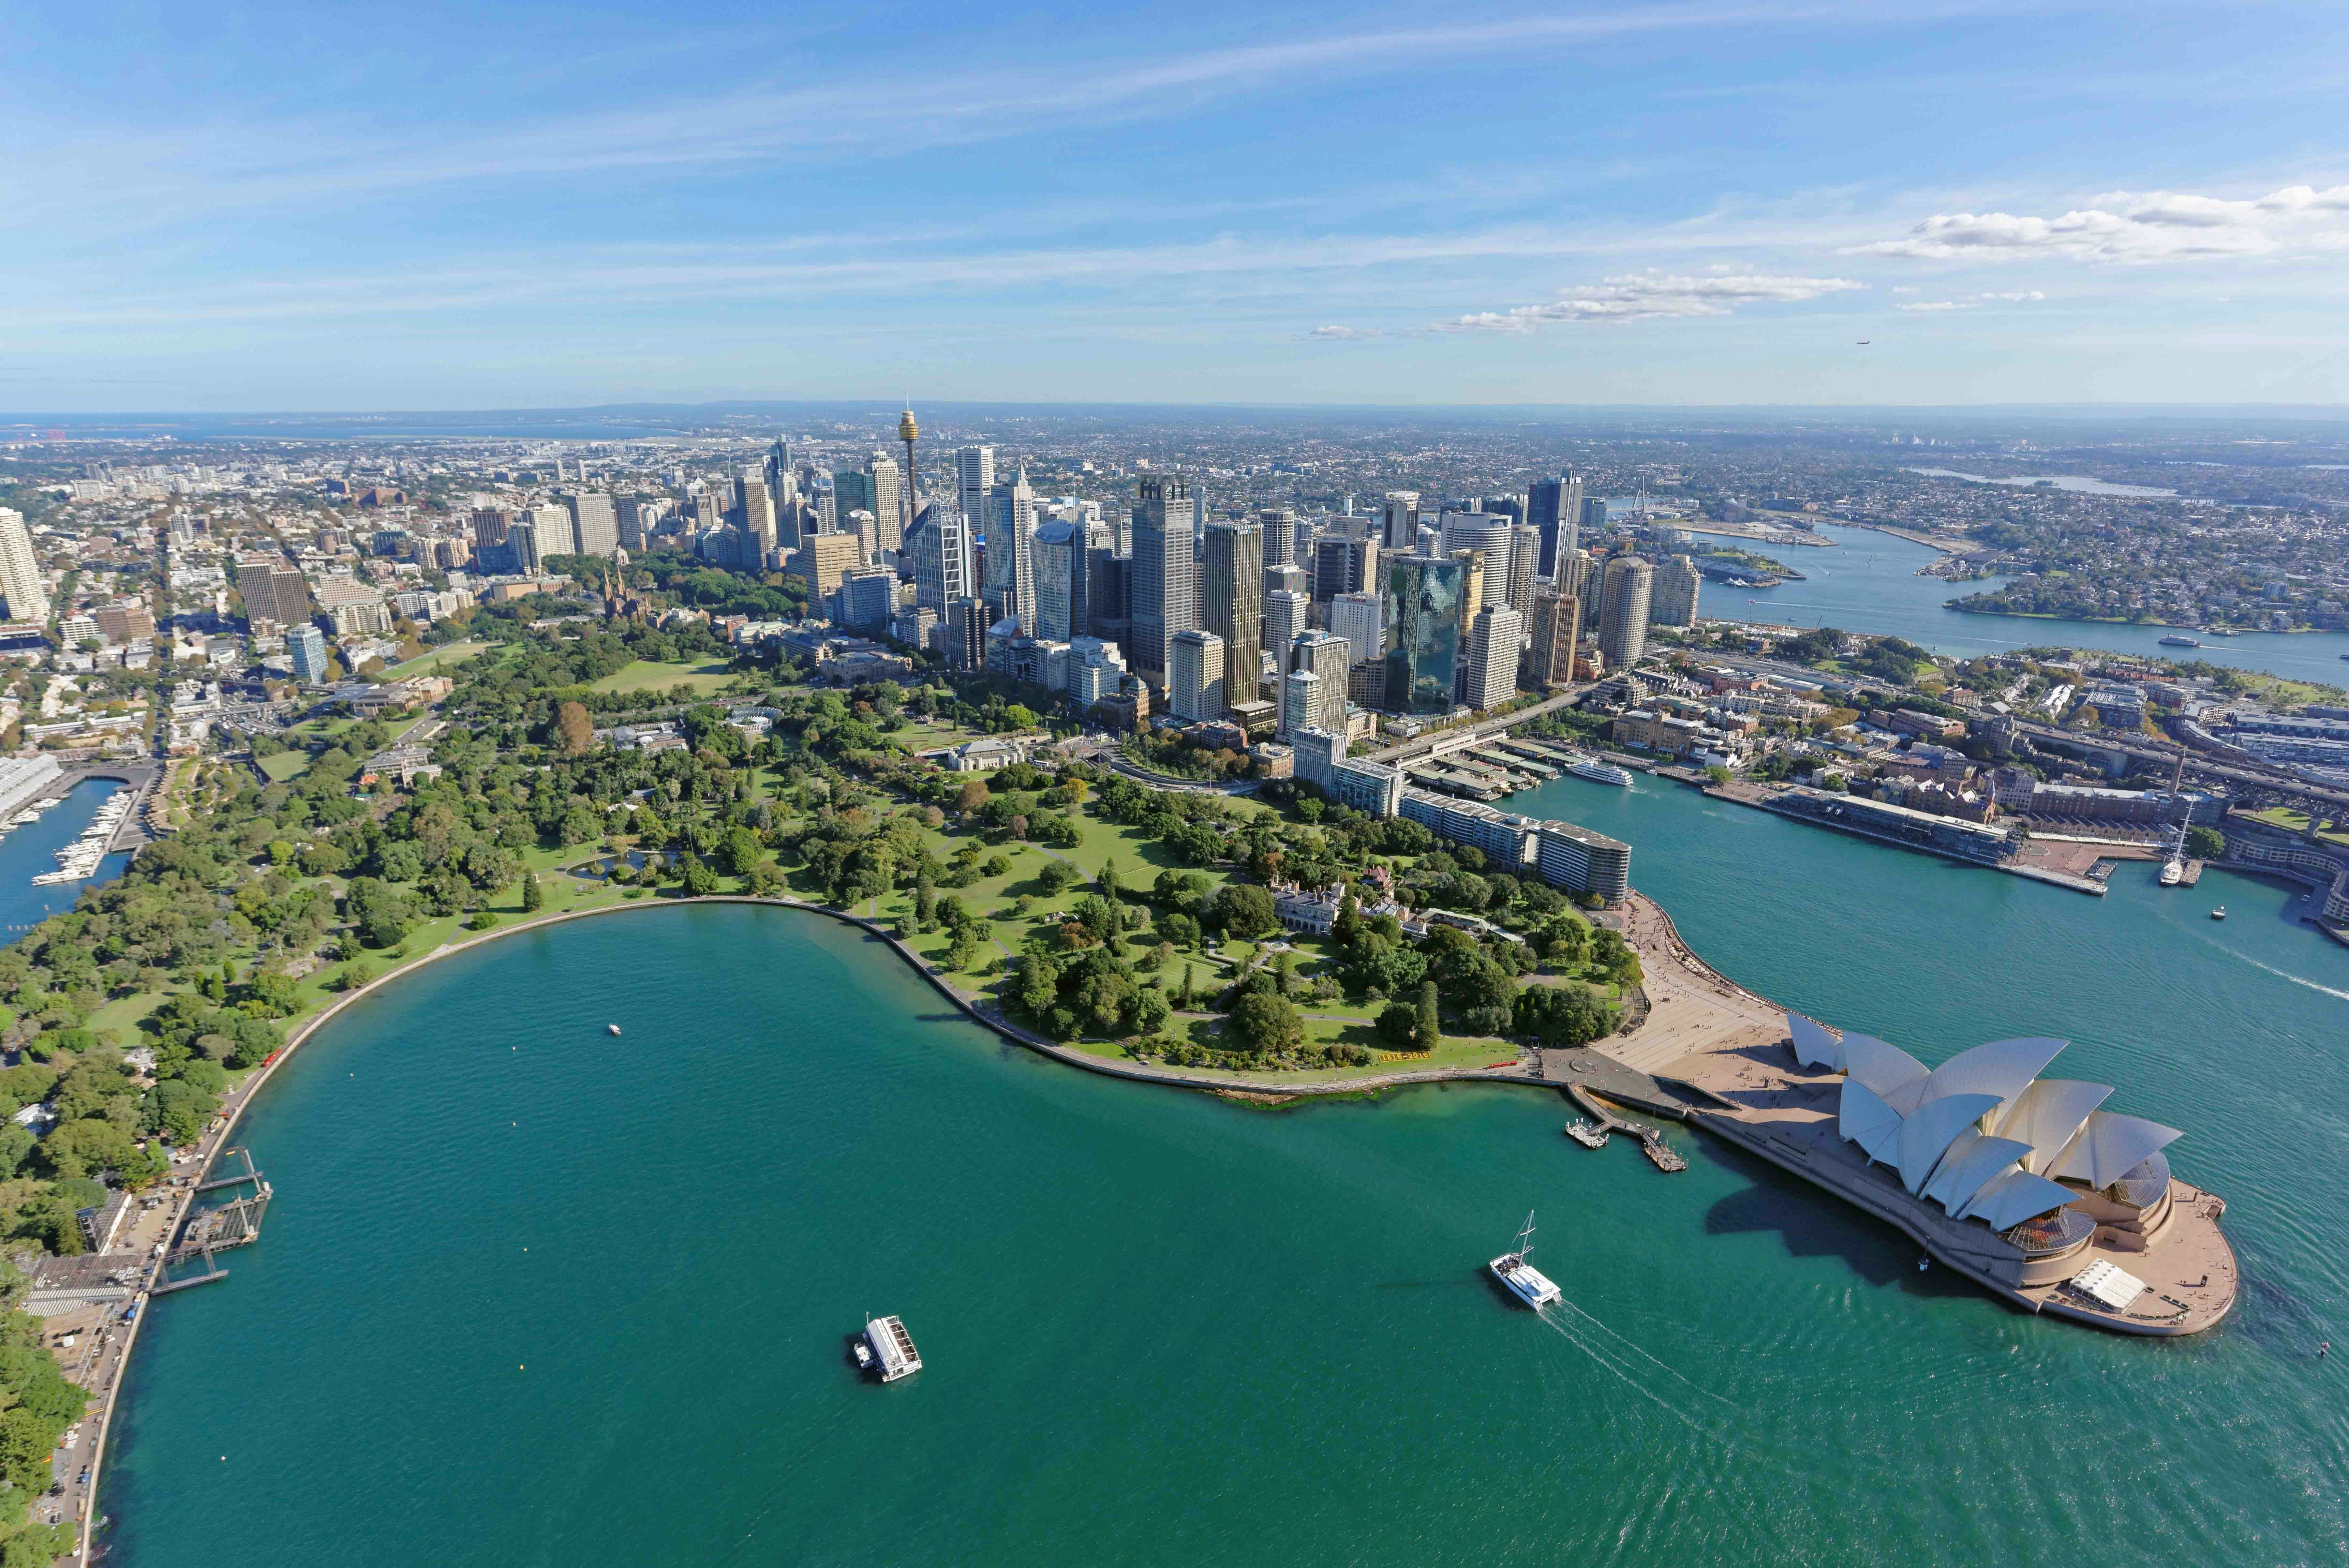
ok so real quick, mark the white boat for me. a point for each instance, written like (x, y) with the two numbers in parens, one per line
(2220, 913)
(1599, 772)
(2180, 642)
(2172, 873)
(1525, 1282)
(893, 1347)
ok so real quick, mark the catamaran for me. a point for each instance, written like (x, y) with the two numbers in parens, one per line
(1527, 1284)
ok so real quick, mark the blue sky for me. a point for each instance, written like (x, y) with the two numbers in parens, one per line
(437, 206)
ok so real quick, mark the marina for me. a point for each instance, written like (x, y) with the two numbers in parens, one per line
(78, 861)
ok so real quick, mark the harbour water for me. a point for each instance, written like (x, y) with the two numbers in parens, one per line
(31, 851)
(1869, 583)
(534, 1295)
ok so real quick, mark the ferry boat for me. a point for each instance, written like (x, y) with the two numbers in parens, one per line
(1525, 1282)
(2180, 642)
(1599, 772)
(892, 1348)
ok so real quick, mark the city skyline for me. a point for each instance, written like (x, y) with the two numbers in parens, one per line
(1948, 203)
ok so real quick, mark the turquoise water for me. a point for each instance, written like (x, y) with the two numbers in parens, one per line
(31, 851)
(1869, 583)
(531, 1295)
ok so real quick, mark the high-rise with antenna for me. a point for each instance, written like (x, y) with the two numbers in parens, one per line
(907, 431)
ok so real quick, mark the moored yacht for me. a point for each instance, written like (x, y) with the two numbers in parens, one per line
(1525, 1282)
(1599, 772)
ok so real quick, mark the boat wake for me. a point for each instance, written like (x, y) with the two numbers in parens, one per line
(2285, 974)
(1666, 1367)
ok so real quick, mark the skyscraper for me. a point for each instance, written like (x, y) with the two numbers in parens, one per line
(974, 477)
(1557, 625)
(1313, 688)
(940, 550)
(1361, 619)
(1492, 657)
(307, 646)
(1493, 532)
(1059, 573)
(1554, 506)
(1573, 574)
(1165, 596)
(1343, 566)
(1402, 521)
(1194, 670)
(1280, 525)
(272, 591)
(1287, 612)
(1623, 618)
(490, 525)
(20, 570)
(1673, 600)
(1009, 530)
(888, 492)
(1231, 603)
(783, 480)
(758, 515)
(522, 539)
(1422, 617)
(1525, 549)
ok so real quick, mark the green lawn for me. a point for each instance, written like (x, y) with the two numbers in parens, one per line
(436, 660)
(644, 676)
(285, 765)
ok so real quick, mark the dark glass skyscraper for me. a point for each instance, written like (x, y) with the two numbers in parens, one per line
(1423, 609)
(1555, 507)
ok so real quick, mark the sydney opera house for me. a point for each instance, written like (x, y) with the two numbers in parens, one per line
(2027, 1184)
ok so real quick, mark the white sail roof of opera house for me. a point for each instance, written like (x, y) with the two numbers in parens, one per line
(2109, 1147)
(1815, 1045)
(2046, 1116)
(2004, 1067)
(1926, 1132)
(1970, 1162)
(1865, 1119)
(1981, 1135)
(1895, 1075)
(2017, 1196)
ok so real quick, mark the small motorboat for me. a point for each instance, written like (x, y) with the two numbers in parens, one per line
(611, 1029)
(2220, 913)
(860, 1353)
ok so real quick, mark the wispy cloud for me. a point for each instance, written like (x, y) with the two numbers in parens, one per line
(2136, 227)
(1975, 302)
(183, 170)
(1637, 296)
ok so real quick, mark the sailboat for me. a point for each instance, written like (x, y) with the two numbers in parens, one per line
(2173, 864)
(1525, 1282)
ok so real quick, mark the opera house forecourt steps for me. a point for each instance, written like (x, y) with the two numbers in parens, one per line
(2024, 1184)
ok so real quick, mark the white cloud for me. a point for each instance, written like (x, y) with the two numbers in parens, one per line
(2136, 227)
(1345, 334)
(1974, 302)
(1651, 296)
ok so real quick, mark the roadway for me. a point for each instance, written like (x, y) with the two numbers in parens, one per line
(1398, 755)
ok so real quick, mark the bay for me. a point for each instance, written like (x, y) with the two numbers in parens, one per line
(1869, 583)
(531, 1294)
